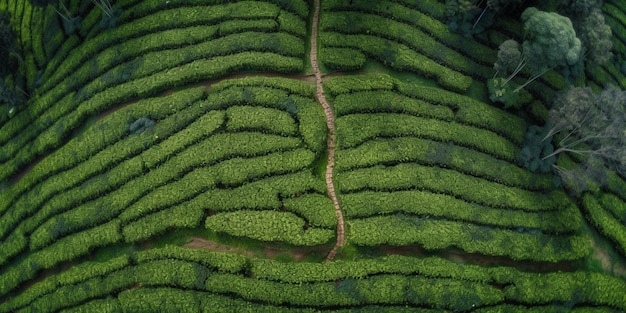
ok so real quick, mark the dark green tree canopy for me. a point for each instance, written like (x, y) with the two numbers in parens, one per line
(550, 40)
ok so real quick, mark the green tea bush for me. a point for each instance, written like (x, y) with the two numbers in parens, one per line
(223, 262)
(464, 160)
(312, 122)
(159, 300)
(342, 59)
(605, 222)
(355, 83)
(317, 209)
(355, 129)
(157, 223)
(432, 267)
(291, 24)
(12, 245)
(422, 203)
(472, 189)
(65, 249)
(402, 230)
(569, 288)
(263, 194)
(414, 38)
(73, 276)
(291, 86)
(399, 57)
(268, 226)
(471, 112)
(615, 205)
(389, 102)
(259, 118)
(174, 273)
(92, 145)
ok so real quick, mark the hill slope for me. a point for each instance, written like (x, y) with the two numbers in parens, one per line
(190, 159)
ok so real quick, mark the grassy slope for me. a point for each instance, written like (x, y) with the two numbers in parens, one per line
(90, 226)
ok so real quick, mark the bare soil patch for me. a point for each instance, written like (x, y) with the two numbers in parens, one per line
(201, 243)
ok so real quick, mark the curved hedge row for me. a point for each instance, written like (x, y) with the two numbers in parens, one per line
(423, 203)
(67, 167)
(611, 226)
(207, 281)
(188, 73)
(402, 230)
(466, 110)
(390, 102)
(382, 26)
(269, 226)
(355, 129)
(467, 161)
(398, 56)
(408, 176)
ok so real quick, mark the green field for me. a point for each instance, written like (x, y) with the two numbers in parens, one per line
(183, 161)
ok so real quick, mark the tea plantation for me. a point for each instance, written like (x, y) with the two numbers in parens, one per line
(290, 156)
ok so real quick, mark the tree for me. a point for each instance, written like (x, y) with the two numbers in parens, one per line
(470, 17)
(550, 43)
(593, 125)
(70, 24)
(8, 47)
(535, 150)
(596, 36)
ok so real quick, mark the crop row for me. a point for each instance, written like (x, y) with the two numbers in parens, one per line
(399, 57)
(410, 176)
(362, 23)
(388, 102)
(170, 38)
(66, 249)
(269, 226)
(148, 64)
(437, 30)
(157, 189)
(470, 111)
(355, 129)
(464, 160)
(169, 19)
(291, 86)
(600, 214)
(298, 7)
(26, 198)
(219, 262)
(423, 203)
(466, 110)
(264, 194)
(110, 205)
(402, 230)
(150, 85)
(154, 156)
(189, 274)
(104, 150)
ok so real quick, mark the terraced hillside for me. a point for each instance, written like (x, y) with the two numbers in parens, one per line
(279, 156)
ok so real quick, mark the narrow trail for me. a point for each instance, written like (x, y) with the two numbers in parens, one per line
(332, 137)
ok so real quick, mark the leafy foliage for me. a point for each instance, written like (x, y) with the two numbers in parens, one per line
(593, 125)
(535, 150)
(550, 42)
(595, 35)
(501, 91)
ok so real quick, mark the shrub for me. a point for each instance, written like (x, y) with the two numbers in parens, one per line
(268, 226)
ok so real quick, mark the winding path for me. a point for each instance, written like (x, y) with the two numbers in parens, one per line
(332, 137)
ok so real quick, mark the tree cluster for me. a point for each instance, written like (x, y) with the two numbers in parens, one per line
(470, 17)
(11, 89)
(550, 42)
(589, 124)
